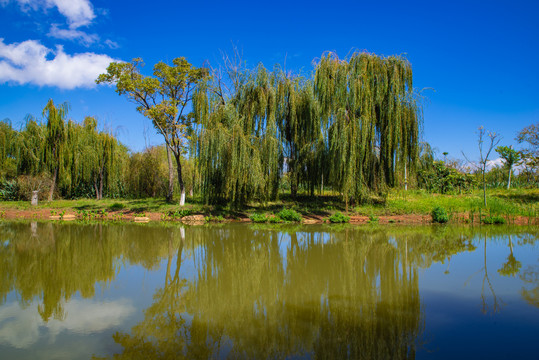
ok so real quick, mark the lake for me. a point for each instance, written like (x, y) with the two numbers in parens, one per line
(238, 291)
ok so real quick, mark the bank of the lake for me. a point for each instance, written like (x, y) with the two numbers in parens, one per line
(515, 206)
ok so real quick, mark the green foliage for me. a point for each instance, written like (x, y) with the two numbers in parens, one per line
(510, 157)
(373, 218)
(258, 218)
(116, 206)
(439, 178)
(162, 98)
(439, 215)
(372, 116)
(289, 215)
(218, 218)
(9, 190)
(490, 220)
(339, 217)
(359, 112)
(178, 214)
(273, 219)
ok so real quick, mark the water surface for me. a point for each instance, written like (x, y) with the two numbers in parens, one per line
(74, 291)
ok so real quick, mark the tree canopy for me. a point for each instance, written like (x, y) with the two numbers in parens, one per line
(163, 98)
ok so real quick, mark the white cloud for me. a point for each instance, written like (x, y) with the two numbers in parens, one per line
(74, 35)
(28, 63)
(495, 163)
(20, 327)
(112, 44)
(77, 12)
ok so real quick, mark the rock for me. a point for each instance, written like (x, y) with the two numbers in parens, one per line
(193, 218)
(142, 219)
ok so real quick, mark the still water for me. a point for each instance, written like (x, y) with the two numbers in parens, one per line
(73, 291)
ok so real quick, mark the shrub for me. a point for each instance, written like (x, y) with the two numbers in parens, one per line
(116, 207)
(212, 218)
(338, 217)
(258, 218)
(439, 215)
(489, 220)
(274, 219)
(9, 190)
(373, 218)
(289, 215)
(178, 214)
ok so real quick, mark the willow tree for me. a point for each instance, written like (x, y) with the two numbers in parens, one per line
(55, 140)
(300, 130)
(163, 98)
(8, 149)
(239, 154)
(368, 107)
(94, 156)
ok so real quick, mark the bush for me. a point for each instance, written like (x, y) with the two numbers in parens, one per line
(274, 219)
(28, 183)
(9, 190)
(339, 218)
(439, 215)
(116, 207)
(489, 220)
(178, 214)
(258, 218)
(289, 215)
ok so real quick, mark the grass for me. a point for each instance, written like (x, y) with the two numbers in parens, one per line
(501, 202)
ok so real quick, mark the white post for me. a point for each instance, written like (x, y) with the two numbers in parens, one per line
(34, 198)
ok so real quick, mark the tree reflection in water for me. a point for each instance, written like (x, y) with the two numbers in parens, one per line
(257, 292)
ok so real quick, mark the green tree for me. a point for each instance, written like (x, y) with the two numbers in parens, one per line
(510, 157)
(55, 140)
(163, 98)
(372, 119)
(239, 152)
(8, 148)
(530, 155)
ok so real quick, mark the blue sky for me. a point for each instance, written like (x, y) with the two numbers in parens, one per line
(480, 57)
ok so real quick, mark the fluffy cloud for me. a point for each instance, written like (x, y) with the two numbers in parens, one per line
(495, 163)
(77, 12)
(73, 34)
(30, 62)
(20, 327)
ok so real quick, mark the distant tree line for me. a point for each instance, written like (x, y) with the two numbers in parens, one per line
(351, 128)
(63, 158)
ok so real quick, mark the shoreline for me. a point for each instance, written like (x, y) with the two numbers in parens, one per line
(51, 214)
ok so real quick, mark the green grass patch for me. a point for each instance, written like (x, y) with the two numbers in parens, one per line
(493, 220)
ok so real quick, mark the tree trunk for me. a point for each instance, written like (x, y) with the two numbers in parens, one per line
(180, 179)
(101, 181)
(484, 188)
(509, 180)
(53, 185)
(96, 188)
(405, 177)
(170, 193)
